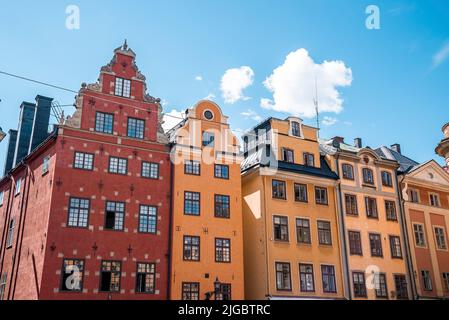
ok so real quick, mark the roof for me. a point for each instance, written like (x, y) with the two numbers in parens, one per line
(405, 164)
(258, 159)
(330, 146)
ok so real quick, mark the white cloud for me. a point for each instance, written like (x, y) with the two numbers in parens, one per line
(234, 81)
(251, 114)
(210, 97)
(441, 55)
(293, 85)
(171, 119)
(199, 78)
(329, 121)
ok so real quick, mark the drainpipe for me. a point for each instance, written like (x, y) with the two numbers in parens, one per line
(409, 262)
(17, 243)
(266, 237)
(343, 236)
(170, 238)
(6, 223)
(21, 229)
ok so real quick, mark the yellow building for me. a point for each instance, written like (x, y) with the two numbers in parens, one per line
(291, 241)
(207, 239)
(372, 224)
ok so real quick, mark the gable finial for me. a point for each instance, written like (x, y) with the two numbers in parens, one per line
(125, 45)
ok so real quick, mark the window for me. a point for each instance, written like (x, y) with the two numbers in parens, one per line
(371, 207)
(434, 200)
(375, 242)
(136, 128)
(208, 139)
(122, 87)
(222, 250)
(400, 284)
(328, 279)
(192, 203)
(278, 189)
(104, 122)
(118, 165)
(358, 280)
(3, 281)
(10, 239)
(18, 186)
(440, 238)
(426, 280)
(321, 195)
(300, 192)
(190, 291)
(192, 167)
(221, 171)
(225, 292)
(83, 161)
(303, 231)
(45, 165)
(414, 195)
(296, 129)
(288, 155)
(324, 233)
(348, 171)
(2, 196)
(148, 219)
(191, 248)
(208, 115)
(420, 239)
(351, 205)
(78, 212)
(355, 243)
(395, 245)
(150, 170)
(309, 159)
(387, 181)
(72, 275)
(115, 215)
(110, 276)
(380, 285)
(222, 206)
(146, 278)
(368, 176)
(283, 277)
(390, 209)
(306, 278)
(445, 281)
(280, 228)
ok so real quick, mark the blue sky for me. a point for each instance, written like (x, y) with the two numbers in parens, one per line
(397, 92)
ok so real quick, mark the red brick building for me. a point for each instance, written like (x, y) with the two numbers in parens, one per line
(86, 215)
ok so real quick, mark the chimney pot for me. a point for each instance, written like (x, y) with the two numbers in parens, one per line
(396, 147)
(358, 143)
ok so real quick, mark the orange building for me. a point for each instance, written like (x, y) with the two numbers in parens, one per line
(291, 240)
(207, 235)
(374, 251)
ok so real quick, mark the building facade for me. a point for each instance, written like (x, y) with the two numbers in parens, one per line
(291, 242)
(371, 221)
(87, 214)
(207, 232)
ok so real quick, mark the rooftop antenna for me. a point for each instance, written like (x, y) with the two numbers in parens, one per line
(315, 102)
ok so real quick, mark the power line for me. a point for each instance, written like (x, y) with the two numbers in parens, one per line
(36, 81)
(107, 100)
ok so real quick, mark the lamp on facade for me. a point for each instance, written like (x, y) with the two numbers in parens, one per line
(216, 292)
(2, 135)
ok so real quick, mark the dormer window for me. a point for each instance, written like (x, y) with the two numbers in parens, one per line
(122, 87)
(309, 159)
(296, 129)
(287, 155)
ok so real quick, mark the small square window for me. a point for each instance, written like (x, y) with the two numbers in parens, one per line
(104, 122)
(136, 128)
(150, 170)
(118, 165)
(221, 171)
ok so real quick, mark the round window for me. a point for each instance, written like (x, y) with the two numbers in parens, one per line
(208, 115)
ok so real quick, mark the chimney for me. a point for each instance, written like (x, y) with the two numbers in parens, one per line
(41, 121)
(358, 143)
(339, 139)
(10, 151)
(396, 147)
